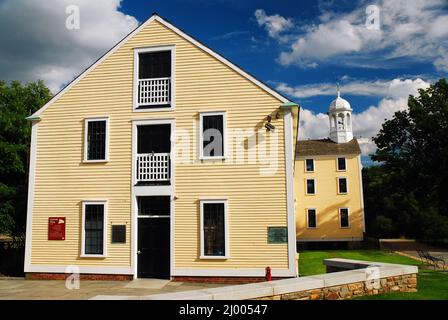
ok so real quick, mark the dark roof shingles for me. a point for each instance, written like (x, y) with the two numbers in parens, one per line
(326, 147)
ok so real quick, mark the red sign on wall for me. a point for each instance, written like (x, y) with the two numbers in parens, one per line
(56, 228)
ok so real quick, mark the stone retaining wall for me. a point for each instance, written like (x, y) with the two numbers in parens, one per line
(360, 278)
(404, 283)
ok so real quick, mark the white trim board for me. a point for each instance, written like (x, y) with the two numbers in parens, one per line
(289, 164)
(180, 33)
(31, 184)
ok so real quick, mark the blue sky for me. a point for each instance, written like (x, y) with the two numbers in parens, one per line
(301, 48)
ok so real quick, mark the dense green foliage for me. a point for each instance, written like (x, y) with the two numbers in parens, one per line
(431, 284)
(17, 101)
(406, 195)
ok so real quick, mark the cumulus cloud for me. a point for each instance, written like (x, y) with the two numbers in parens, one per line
(366, 124)
(37, 45)
(416, 30)
(396, 88)
(274, 24)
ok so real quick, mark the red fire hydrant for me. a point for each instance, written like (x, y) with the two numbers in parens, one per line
(268, 275)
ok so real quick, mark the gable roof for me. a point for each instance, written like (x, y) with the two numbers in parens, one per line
(181, 33)
(326, 147)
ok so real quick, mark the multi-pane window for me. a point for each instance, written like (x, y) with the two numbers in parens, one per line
(309, 165)
(342, 185)
(342, 166)
(343, 217)
(153, 76)
(94, 224)
(213, 224)
(212, 135)
(96, 140)
(312, 219)
(154, 65)
(310, 186)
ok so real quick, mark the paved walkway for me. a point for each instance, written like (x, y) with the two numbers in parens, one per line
(19, 288)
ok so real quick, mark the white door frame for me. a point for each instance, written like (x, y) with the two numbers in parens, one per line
(151, 190)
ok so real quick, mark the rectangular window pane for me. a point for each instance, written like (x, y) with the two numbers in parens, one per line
(342, 185)
(310, 188)
(309, 165)
(94, 224)
(214, 231)
(341, 164)
(96, 140)
(344, 217)
(154, 206)
(155, 65)
(213, 135)
(312, 218)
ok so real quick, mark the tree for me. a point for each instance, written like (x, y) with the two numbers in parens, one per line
(17, 101)
(406, 195)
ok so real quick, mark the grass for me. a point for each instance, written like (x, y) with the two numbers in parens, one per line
(432, 285)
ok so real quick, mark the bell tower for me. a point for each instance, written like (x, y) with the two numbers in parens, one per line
(340, 114)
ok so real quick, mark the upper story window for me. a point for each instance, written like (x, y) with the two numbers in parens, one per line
(213, 135)
(96, 140)
(342, 185)
(154, 79)
(309, 165)
(342, 164)
(310, 186)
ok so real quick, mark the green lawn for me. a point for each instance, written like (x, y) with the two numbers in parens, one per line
(431, 284)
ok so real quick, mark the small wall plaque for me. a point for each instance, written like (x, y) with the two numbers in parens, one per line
(277, 235)
(119, 234)
(56, 228)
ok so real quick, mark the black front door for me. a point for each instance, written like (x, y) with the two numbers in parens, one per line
(153, 248)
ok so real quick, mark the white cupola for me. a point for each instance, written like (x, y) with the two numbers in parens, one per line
(340, 114)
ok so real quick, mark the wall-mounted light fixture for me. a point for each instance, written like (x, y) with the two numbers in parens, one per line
(269, 126)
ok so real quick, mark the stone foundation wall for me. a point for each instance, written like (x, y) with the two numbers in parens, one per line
(404, 283)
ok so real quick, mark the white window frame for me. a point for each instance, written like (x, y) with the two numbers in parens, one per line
(346, 183)
(314, 164)
(337, 164)
(137, 51)
(86, 142)
(226, 233)
(306, 187)
(348, 218)
(201, 137)
(83, 231)
(307, 218)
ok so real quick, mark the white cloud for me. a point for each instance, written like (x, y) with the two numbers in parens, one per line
(396, 88)
(37, 45)
(415, 30)
(274, 24)
(367, 123)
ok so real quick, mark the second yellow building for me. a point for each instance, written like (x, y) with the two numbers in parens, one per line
(328, 183)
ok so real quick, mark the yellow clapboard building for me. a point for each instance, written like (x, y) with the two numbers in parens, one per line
(328, 182)
(162, 160)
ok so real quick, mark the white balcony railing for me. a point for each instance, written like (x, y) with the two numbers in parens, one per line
(152, 167)
(155, 91)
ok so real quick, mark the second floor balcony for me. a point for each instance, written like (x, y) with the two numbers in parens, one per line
(154, 92)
